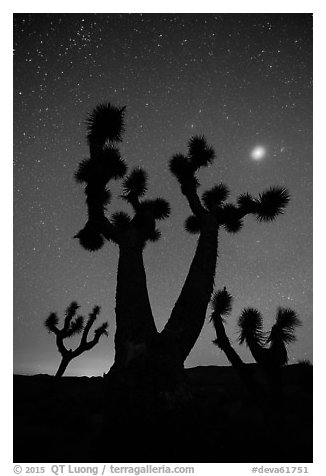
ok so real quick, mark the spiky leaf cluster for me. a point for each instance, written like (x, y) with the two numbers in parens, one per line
(95, 312)
(153, 235)
(121, 220)
(135, 185)
(102, 168)
(185, 168)
(72, 308)
(222, 305)
(76, 326)
(199, 153)
(158, 208)
(215, 196)
(246, 203)
(102, 330)
(222, 302)
(231, 219)
(251, 327)
(271, 203)
(192, 224)
(51, 322)
(97, 198)
(105, 123)
(89, 238)
(181, 167)
(284, 327)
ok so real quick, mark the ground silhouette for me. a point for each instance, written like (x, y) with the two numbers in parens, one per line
(58, 420)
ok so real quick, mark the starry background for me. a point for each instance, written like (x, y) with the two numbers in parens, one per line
(242, 80)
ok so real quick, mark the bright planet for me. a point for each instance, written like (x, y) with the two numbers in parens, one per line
(258, 153)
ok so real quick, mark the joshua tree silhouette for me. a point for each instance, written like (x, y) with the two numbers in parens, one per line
(72, 326)
(145, 358)
(281, 334)
(269, 349)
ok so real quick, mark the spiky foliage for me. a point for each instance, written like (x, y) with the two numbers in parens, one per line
(72, 308)
(115, 166)
(102, 330)
(135, 185)
(215, 196)
(221, 302)
(102, 197)
(271, 203)
(185, 168)
(121, 220)
(158, 208)
(246, 203)
(76, 326)
(90, 239)
(105, 123)
(200, 154)
(284, 327)
(251, 327)
(182, 169)
(154, 235)
(51, 322)
(107, 165)
(222, 305)
(95, 312)
(230, 219)
(192, 224)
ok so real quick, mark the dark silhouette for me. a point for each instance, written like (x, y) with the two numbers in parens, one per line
(269, 349)
(148, 389)
(281, 334)
(222, 306)
(72, 326)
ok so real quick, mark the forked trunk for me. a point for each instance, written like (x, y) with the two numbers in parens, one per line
(149, 404)
(188, 315)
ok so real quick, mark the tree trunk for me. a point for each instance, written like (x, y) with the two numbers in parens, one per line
(150, 414)
(188, 315)
(244, 372)
(135, 326)
(150, 409)
(62, 367)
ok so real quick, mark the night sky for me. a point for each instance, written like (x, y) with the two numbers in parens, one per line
(242, 80)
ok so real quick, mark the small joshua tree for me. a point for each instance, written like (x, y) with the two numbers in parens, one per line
(269, 349)
(281, 334)
(72, 326)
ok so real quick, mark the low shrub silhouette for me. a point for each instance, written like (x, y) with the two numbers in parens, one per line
(74, 325)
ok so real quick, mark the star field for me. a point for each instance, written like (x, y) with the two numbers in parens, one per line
(242, 80)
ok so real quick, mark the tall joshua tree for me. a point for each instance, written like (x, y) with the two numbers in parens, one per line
(72, 326)
(139, 349)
